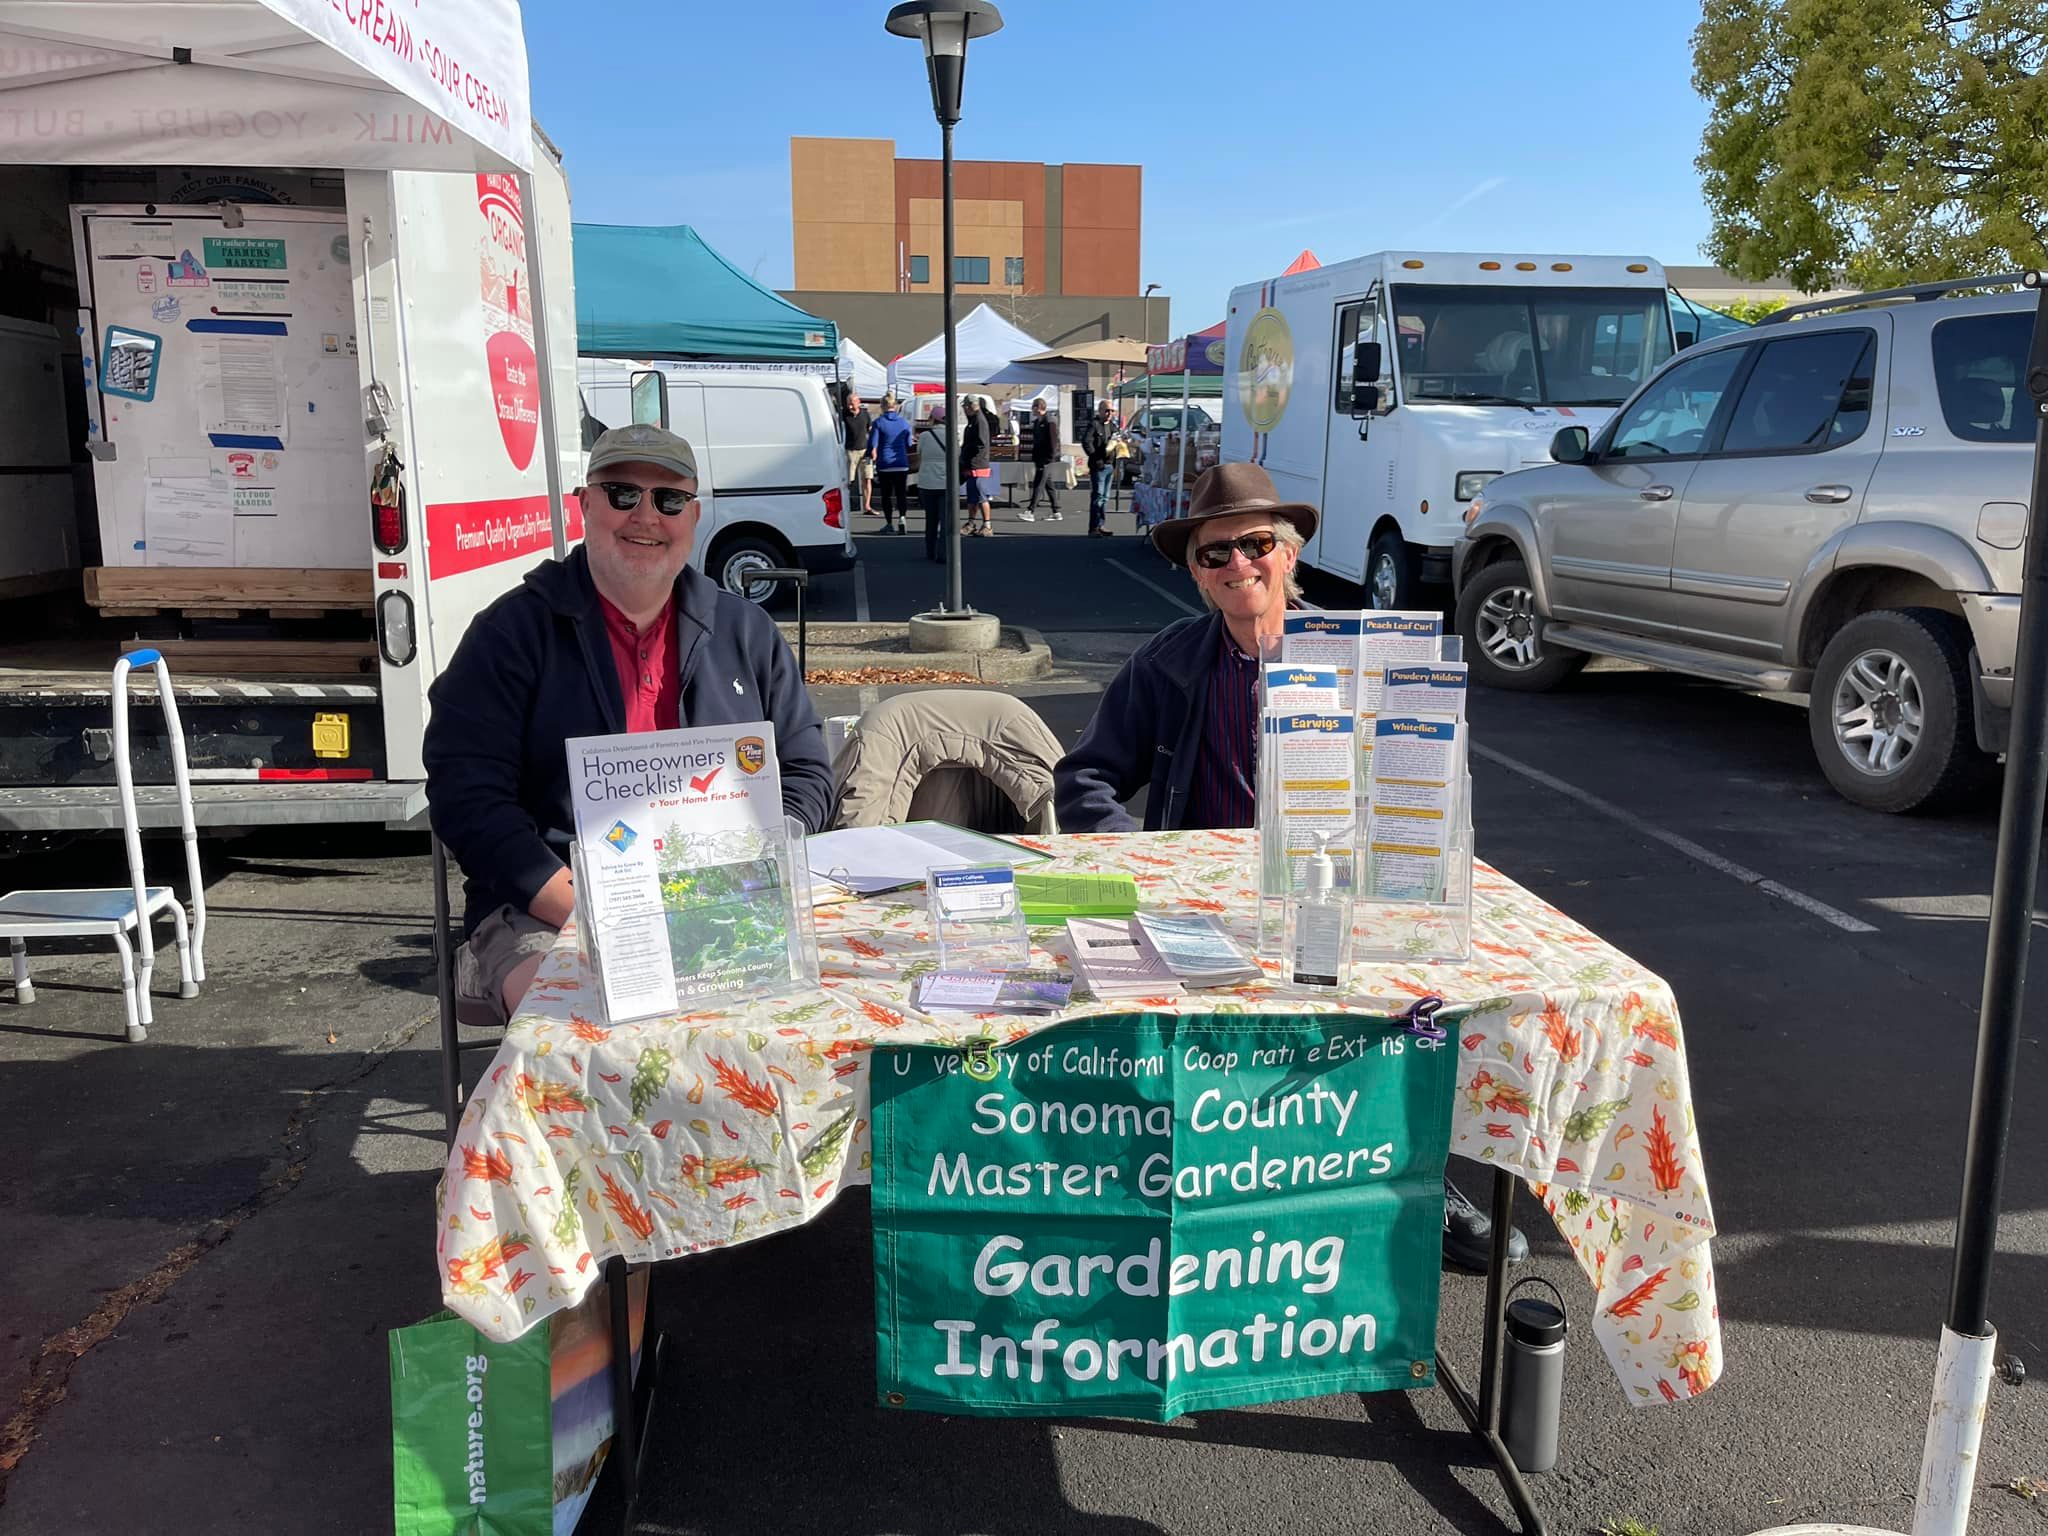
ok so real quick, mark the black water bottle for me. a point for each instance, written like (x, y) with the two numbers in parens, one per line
(1532, 1385)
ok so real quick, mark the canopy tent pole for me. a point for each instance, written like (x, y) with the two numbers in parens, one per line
(1180, 479)
(537, 302)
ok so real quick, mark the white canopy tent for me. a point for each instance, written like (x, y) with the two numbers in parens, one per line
(868, 377)
(988, 347)
(430, 85)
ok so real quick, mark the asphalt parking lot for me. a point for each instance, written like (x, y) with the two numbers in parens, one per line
(204, 1238)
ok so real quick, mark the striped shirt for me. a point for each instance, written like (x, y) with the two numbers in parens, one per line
(1222, 793)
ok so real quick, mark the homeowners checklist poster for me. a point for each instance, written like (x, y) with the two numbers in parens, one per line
(678, 886)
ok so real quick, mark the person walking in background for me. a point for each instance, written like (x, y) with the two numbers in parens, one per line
(889, 447)
(1095, 442)
(976, 438)
(860, 464)
(933, 493)
(1045, 462)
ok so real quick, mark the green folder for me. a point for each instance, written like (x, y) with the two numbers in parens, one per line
(1052, 895)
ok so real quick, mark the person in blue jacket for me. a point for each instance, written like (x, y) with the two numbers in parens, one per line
(889, 443)
(623, 635)
(1181, 719)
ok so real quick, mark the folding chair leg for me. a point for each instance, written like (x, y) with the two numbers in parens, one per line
(134, 990)
(24, 989)
(188, 984)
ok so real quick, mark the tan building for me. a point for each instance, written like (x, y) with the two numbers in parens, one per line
(1715, 287)
(865, 221)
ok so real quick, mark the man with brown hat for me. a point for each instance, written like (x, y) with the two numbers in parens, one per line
(1183, 714)
(1182, 717)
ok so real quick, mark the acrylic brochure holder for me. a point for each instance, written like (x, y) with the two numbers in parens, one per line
(977, 921)
(735, 922)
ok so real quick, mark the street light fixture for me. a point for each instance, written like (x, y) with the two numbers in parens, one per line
(945, 28)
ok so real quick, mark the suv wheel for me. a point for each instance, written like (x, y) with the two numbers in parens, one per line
(1503, 633)
(1889, 713)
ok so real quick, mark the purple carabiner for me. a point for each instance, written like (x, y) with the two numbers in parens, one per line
(1420, 1019)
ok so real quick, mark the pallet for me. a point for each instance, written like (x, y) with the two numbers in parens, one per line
(136, 591)
(264, 658)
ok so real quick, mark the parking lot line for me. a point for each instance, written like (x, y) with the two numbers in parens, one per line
(1146, 581)
(1684, 845)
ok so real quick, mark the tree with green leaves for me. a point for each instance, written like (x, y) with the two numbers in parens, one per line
(1868, 143)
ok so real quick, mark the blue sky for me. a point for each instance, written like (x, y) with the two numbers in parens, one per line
(1347, 128)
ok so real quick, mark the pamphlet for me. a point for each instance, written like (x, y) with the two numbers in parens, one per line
(1077, 895)
(1316, 779)
(1417, 767)
(1329, 640)
(993, 991)
(680, 887)
(1196, 948)
(1294, 686)
(1112, 959)
(1390, 639)
(1425, 688)
(870, 860)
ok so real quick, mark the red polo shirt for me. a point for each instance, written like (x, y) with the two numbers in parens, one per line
(650, 682)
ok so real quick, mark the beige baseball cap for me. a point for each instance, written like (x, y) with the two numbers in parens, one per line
(643, 443)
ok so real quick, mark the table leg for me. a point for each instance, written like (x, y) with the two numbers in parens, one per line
(625, 1427)
(1482, 1414)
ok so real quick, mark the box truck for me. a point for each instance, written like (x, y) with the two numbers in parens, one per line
(317, 359)
(1387, 390)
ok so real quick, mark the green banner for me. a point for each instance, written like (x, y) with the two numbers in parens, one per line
(245, 253)
(1148, 1215)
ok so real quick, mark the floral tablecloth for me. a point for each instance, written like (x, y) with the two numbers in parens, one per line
(675, 1135)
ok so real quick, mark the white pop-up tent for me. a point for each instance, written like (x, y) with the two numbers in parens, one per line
(988, 347)
(868, 377)
(430, 85)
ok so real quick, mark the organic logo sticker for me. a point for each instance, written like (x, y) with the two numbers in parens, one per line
(1265, 369)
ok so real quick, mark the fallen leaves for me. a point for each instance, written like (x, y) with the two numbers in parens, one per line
(863, 677)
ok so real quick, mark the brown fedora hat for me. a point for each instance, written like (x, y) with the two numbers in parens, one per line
(1230, 490)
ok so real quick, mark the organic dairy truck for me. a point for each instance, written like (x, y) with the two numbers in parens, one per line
(1387, 390)
(302, 290)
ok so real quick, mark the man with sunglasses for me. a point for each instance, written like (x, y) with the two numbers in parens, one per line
(1181, 720)
(623, 635)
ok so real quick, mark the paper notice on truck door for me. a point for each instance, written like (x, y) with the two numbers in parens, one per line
(1417, 776)
(1325, 640)
(241, 387)
(186, 522)
(1317, 784)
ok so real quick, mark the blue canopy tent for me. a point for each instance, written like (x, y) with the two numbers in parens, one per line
(646, 291)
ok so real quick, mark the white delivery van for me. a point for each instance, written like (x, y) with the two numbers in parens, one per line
(1389, 389)
(770, 457)
(320, 359)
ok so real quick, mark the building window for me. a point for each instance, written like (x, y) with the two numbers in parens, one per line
(920, 269)
(970, 269)
(1013, 271)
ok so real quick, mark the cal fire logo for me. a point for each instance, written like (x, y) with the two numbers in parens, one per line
(752, 753)
(508, 316)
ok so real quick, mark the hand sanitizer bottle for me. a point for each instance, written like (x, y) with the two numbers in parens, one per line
(1318, 946)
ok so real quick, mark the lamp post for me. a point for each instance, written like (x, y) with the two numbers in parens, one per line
(945, 27)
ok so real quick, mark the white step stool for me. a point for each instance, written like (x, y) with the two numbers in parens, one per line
(115, 911)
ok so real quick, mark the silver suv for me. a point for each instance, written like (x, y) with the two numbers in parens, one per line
(1831, 503)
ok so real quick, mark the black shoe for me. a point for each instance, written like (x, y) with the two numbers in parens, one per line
(1468, 1234)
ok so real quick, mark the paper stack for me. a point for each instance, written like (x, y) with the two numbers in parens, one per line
(1197, 949)
(1112, 959)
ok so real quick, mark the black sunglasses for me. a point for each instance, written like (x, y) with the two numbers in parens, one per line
(1255, 546)
(625, 496)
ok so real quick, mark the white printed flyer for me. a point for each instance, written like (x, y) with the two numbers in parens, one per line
(1292, 686)
(1417, 776)
(1389, 639)
(1324, 639)
(1426, 688)
(681, 887)
(1316, 779)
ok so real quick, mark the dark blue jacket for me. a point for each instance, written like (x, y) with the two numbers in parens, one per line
(889, 441)
(535, 668)
(1146, 731)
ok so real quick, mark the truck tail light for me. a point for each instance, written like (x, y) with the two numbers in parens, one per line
(395, 637)
(835, 506)
(387, 504)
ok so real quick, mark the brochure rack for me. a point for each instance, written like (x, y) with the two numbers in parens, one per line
(736, 917)
(977, 922)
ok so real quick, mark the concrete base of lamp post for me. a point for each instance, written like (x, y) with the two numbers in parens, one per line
(938, 631)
